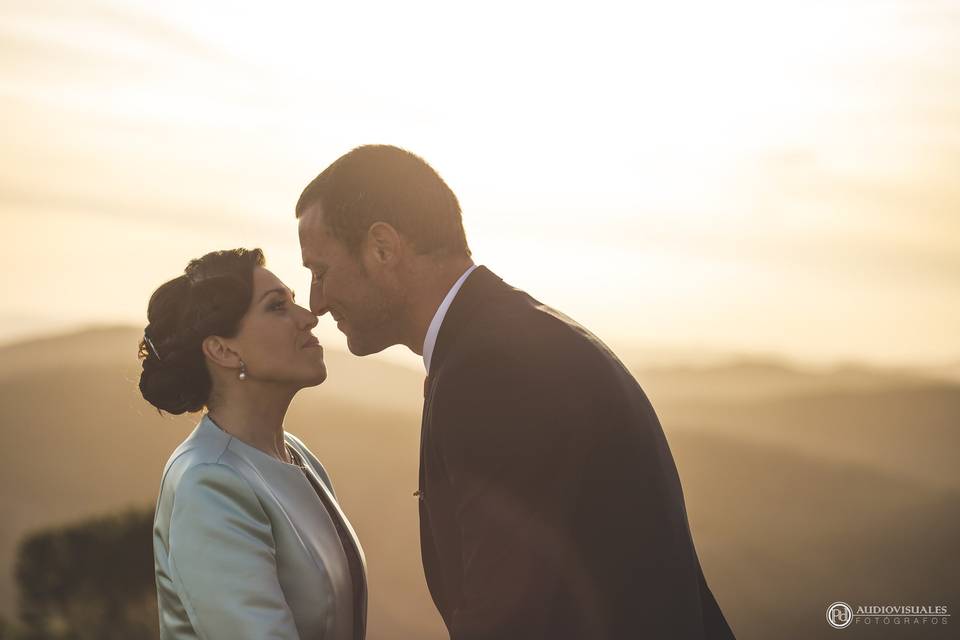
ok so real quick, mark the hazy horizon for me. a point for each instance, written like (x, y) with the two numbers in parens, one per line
(754, 178)
(639, 358)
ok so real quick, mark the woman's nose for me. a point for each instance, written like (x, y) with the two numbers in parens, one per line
(308, 320)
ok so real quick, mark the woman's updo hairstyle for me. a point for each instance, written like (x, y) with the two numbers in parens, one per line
(209, 299)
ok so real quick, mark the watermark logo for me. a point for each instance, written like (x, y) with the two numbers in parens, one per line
(839, 615)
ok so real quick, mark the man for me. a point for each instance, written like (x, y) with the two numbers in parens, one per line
(550, 505)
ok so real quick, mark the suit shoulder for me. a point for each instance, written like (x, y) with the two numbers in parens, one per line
(519, 329)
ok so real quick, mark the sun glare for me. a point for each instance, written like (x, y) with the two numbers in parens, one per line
(700, 156)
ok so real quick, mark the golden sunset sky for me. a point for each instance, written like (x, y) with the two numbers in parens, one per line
(737, 177)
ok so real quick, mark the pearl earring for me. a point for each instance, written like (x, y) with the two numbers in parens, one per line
(243, 371)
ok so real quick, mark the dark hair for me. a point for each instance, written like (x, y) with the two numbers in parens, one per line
(210, 298)
(382, 183)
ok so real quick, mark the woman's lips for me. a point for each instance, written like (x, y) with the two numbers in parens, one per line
(312, 343)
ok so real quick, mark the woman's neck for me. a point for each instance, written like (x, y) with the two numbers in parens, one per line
(255, 417)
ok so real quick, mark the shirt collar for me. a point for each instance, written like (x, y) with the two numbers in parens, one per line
(431, 340)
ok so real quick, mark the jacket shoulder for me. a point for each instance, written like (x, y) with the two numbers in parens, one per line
(527, 335)
(196, 449)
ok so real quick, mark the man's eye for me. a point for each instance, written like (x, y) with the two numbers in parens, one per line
(278, 306)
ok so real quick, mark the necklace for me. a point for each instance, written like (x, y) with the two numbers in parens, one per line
(293, 456)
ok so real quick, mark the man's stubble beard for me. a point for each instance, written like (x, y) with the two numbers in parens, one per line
(384, 325)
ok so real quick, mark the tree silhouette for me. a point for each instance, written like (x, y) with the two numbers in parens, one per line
(90, 580)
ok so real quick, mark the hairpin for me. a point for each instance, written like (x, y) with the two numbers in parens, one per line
(153, 348)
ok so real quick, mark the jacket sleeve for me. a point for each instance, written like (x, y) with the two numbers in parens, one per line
(223, 558)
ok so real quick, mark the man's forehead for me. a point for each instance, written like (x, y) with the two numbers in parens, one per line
(311, 217)
(312, 231)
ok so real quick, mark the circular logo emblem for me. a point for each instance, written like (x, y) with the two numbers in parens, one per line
(839, 615)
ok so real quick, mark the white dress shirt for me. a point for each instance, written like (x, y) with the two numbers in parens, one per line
(431, 340)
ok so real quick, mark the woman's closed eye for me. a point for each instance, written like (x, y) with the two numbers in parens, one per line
(280, 304)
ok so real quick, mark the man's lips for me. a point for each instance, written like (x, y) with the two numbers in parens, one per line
(311, 343)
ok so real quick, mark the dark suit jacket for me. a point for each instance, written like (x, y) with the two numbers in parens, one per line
(550, 505)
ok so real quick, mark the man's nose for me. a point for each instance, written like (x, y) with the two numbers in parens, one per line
(318, 303)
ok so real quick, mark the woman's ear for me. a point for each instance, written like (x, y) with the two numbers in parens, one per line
(219, 352)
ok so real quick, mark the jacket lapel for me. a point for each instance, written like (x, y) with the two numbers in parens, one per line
(334, 508)
(274, 473)
(478, 286)
(476, 289)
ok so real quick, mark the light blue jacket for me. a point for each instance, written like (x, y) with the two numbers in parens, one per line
(244, 547)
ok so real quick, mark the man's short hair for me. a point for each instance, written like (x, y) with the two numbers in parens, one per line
(383, 183)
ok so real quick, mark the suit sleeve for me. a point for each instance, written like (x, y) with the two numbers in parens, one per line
(508, 450)
(223, 558)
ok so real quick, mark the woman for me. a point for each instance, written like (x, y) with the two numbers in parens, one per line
(249, 541)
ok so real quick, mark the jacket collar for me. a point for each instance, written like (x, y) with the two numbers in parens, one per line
(479, 287)
(273, 471)
(262, 461)
(434, 328)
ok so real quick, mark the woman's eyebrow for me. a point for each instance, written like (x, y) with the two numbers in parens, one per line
(279, 290)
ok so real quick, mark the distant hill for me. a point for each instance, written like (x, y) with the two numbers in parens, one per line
(802, 488)
(949, 371)
(913, 430)
(782, 534)
(735, 380)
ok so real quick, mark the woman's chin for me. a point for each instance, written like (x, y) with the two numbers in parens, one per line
(319, 377)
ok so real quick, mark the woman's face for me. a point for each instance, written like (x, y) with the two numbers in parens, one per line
(274, 340)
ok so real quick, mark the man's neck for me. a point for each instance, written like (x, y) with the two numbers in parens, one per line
(433, 283)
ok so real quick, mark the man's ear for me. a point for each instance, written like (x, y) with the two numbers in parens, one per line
(217, 350)
(384, 244)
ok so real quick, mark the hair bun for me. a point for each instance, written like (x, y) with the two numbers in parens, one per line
(210, 298)
(174, 389)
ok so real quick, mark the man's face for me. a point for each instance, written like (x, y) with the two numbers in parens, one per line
(348, 286)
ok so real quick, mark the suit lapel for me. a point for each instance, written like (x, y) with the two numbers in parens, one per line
(477, 288)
